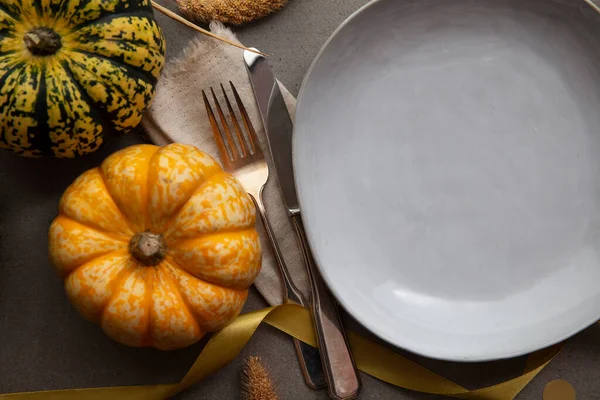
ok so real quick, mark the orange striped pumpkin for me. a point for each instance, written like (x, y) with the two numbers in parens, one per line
(157, 245)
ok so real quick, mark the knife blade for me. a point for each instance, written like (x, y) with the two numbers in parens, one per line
(276, 119)
(336, 358)
(308, 356)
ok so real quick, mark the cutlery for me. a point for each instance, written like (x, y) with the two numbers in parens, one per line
(246, 161)
(340, 369)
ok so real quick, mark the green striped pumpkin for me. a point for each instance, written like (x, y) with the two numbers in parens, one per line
(74, 71)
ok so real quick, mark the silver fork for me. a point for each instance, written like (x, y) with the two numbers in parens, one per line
(246, 161)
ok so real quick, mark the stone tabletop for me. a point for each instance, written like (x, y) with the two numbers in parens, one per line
(45, 344)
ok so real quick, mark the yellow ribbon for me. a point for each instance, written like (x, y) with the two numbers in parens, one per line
(371, 358)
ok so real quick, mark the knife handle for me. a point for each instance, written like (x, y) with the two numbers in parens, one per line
(308, 356)
(336, 357)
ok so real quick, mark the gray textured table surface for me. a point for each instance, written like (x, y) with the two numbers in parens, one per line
(45, 344)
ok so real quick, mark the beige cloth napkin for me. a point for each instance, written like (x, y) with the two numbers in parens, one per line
(177, 114)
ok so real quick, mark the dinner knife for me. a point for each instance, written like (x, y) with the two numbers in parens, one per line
(308, 356)
(336, 358)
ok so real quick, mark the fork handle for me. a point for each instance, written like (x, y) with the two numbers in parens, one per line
(308, 356)
(290, 291)
(336, 357)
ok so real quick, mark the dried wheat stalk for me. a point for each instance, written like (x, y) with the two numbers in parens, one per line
(187, 23)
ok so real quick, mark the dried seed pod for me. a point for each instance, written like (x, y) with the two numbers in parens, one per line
(256, 383)
(234, 12)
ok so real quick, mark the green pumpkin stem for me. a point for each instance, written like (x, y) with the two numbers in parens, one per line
(42, 41)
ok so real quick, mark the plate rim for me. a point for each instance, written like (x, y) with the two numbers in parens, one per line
(449, 356)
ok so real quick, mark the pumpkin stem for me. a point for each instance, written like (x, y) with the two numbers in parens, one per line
(42, 41)
(148, 248)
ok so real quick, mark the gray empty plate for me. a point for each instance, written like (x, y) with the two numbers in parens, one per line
(447, 155)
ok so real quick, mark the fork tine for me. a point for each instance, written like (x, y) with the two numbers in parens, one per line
(251, 132)
(234, 153)
(216, 131)
(236, 125)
